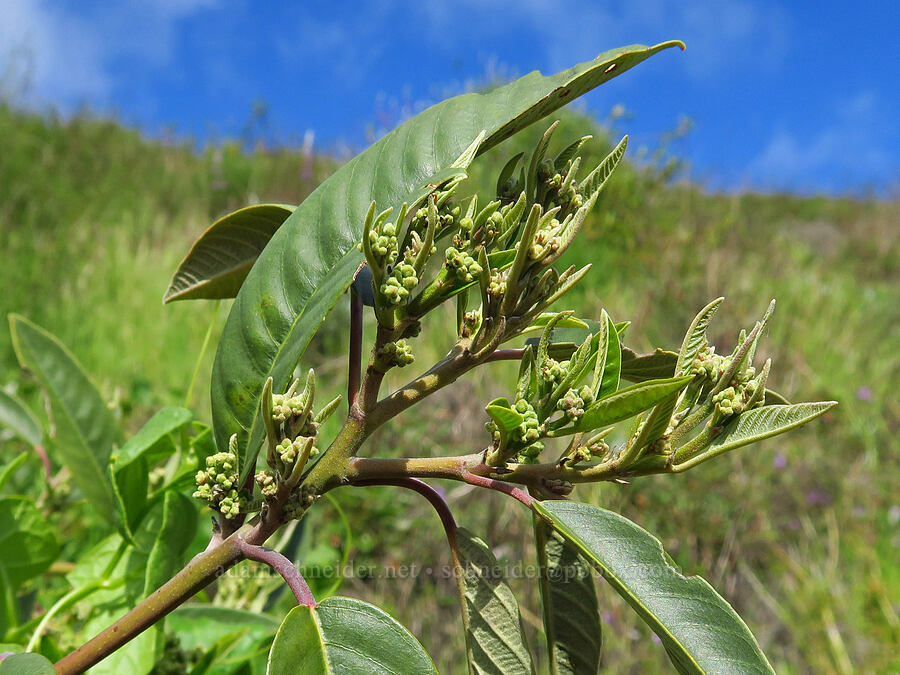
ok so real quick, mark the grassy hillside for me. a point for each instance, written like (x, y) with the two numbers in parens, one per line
(799, 533)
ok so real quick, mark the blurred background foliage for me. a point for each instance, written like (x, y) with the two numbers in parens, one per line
(800, 533)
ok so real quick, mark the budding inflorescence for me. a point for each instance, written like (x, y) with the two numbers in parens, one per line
(217, 484)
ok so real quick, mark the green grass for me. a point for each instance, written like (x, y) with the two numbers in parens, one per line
(798, 533)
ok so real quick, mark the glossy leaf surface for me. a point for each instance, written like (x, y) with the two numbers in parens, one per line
(311, 259)
(699, 629)
(628, 402)
(221, 258)
(345, 635)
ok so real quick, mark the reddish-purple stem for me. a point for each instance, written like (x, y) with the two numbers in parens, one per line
(499, 485)
(424, 489)
(355, 353)
(284, 567)
(45, 460)
(506, 355)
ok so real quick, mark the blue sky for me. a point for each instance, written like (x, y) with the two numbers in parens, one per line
(800, 95)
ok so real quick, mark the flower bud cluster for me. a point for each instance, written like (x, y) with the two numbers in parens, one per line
(268, 486)
(397, 286)
(546, 241)
(497, 282)
(217, 485)
(462, 264)
(574, 402)
(383, 242)
(288, 450)
(554, 371)
(298, 502)
(398, 353)
(739, 396)
(708, 365)
(288, 409)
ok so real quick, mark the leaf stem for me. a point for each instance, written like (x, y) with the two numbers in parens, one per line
(291, 575)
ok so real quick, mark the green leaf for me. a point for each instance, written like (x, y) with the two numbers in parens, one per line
(149, 442)
(26, 664)
(695, 338)
(27, 540)
(571, 615)
(345, 635)
(179, 525)
(610, 371)
(494, 638)
(756, 425)
(228, 636)
(312, 258)
(656, 365)
(503, 415)
(221, 258)
(597, 178)
(628, 402)
(85, 428)
(18, 417)
(698, 628)
(9, 469)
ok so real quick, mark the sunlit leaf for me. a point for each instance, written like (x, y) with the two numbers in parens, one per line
(698, 628)
(345, 635)
(85, 428)
(221, 258)
(311, 259)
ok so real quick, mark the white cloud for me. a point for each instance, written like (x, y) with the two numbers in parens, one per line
(52, 55)
(719, 35)
(843, 152)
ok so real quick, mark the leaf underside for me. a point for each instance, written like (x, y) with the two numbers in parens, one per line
(569, 599)
(698, 628)
(494, 638)
(221, 258)
(311, 259)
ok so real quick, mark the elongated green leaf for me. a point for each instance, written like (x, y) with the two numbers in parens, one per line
(494, 639)
(699, 629)
(9, 469)
(757, 425)
(179, 525)
(598, 177)
(628, 402)
(230, 635)
(221, 258)
(695, 338)
(571, 615)
(146, 442)
(311, 259)
(18, 417)
(611, 372)
(85, 427)
(26, 664)
(656, 365)
(26, 539)
(345, 635)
